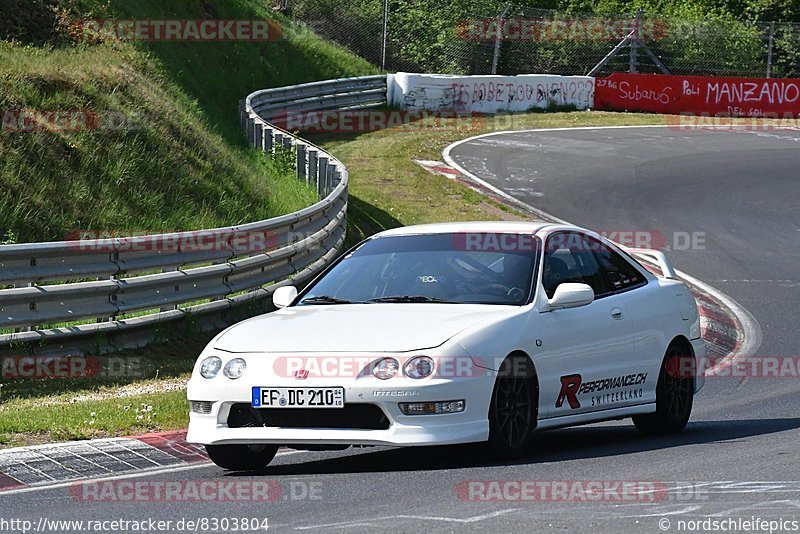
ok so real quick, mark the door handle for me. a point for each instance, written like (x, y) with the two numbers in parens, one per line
(616, 313)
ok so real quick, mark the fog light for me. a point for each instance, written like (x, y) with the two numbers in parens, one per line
(432, 408)
(234, 368)
(210, 367)
(385, 368)
(203, 407)
(420, 367)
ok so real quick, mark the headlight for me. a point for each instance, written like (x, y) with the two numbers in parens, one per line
(419, 367)
(210, 367)
(234, 368)
(385, 368)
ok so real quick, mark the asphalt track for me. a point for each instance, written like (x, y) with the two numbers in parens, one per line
(738, 458)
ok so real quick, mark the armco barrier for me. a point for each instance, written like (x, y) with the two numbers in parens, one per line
(88, 284)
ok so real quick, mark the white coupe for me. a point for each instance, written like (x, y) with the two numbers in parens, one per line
(453, 333)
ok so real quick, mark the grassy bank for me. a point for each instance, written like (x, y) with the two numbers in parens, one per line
(136, 153)
(154, 140)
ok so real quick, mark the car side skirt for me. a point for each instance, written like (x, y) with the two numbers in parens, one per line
(595, 417)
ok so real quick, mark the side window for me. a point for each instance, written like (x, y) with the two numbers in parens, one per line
(568, 258)
(620, 273)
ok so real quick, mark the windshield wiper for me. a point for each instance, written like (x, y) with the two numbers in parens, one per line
(324, 299)
(407, 298)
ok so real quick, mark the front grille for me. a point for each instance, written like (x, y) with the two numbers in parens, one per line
(353, 416)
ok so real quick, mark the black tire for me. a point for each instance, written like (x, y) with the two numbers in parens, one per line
(514, 408)
(674, 393)
(241, 457)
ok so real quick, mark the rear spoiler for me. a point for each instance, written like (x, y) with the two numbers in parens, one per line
(655, 257)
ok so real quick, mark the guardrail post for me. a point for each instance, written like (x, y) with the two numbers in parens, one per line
(250, 130)
(258, 135)
(111, 300)
(321, 175)
(301, 162)
(278, 140)
(267, 141)
(328, 178)
(287, 142)
(171, 306)
(242, 114)
(312, 165)
(28, 328)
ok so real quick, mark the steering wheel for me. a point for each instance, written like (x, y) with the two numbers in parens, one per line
(486, 280)
(516, 294)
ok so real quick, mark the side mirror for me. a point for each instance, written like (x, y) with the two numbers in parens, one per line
(283, 296)
(571, 295)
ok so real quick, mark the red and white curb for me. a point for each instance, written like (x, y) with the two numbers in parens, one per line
(52, 464)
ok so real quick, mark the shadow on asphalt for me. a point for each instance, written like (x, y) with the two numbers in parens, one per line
(552, 446)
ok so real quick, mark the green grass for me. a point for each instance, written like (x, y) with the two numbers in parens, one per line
(180, 163)
(165, 171)
(45, 410)
(218, 74)
(29, 421)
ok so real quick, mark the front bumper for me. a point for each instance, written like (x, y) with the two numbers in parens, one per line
(468, 426)
(206, 431)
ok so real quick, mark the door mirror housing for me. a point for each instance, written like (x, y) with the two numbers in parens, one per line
(571, 295)
(283, 296)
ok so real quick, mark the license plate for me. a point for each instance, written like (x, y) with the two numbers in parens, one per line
(266, 397)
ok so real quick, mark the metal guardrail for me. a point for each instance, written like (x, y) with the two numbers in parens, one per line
(88, 284)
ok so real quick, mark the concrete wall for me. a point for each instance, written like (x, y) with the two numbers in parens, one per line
(488, 94)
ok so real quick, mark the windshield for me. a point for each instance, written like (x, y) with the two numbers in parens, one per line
(444, 268)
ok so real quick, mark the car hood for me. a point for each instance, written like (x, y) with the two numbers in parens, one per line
(357, 327)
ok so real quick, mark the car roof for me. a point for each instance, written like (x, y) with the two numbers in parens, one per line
(513, 227)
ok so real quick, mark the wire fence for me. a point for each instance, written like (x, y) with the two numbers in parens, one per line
(496, 37)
